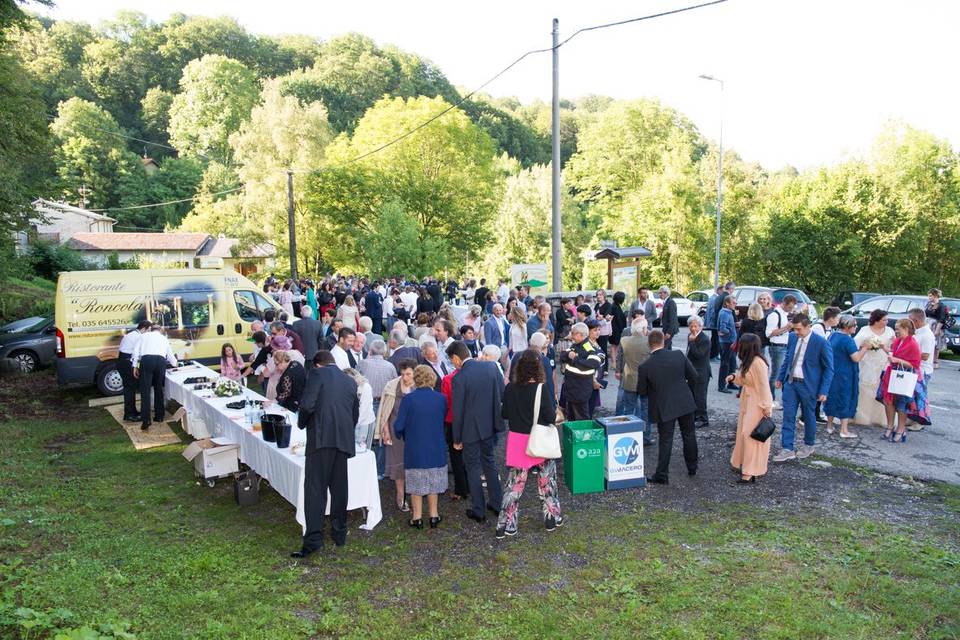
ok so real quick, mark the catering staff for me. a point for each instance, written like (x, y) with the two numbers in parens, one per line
(150, 358)
(125, 368)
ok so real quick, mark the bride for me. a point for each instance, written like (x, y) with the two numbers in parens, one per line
(880, 337)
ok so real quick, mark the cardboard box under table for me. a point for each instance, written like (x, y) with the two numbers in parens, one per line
(624, 459)
(213, 458)
(583, 443)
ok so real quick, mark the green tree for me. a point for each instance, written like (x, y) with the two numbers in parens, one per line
(444, 175)
(176, 179)
(51, 58)
(155, 115)
(90, 154)
(216, 96)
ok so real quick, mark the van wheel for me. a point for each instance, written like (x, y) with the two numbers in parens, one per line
(109, 381)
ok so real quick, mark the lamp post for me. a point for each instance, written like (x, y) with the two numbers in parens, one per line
(716, 258)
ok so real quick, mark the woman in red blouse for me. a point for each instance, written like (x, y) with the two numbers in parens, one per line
(904, 353)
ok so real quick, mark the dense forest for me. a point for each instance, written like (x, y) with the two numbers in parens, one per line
(225, 113)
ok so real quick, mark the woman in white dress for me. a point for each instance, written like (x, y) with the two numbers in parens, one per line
(518, 330)
(286, 299)
(349, 313)
(869, 411)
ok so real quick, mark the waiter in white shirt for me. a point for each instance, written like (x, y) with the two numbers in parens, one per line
(150, 359)
(125, 368)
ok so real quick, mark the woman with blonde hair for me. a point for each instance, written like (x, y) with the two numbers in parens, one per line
(755, 322)
(349, 314)
(518, 330)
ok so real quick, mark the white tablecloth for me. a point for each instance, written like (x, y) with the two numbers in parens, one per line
(282, 468)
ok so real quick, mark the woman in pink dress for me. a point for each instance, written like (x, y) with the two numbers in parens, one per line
(756, 402)
(904, 354)
(519, 398)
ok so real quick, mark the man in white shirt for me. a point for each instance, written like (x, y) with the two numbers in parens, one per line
(345, 340)
(928, 346)
(409, 300)
(125, 368)
(503, 292)
(778, 333)
(150, 358)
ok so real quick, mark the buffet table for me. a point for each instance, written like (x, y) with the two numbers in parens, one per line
(282, 468)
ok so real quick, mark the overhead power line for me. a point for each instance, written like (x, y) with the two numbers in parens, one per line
(640, 19)
(420, 126)
(163, 204)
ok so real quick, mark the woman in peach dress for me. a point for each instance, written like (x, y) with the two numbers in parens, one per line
(750, 456)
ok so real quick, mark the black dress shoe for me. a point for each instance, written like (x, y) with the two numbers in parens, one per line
(302, 553)
(476, 518)
(725, 390)
(417, 524)
(144, 426)
(340, 541)
(435, 521)
(691, 472)
(133, 417)
(656, 480)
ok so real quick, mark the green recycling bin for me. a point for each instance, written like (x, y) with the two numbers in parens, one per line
(583, 456)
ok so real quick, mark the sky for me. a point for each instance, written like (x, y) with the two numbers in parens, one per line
(806, 82)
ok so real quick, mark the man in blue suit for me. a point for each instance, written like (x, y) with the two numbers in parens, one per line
(496, 330)
(805, 378)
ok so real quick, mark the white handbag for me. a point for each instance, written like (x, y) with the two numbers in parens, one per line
(902, 382)
(544, 439)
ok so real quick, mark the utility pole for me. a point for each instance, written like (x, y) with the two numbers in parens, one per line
(291, 226)
(555, 162)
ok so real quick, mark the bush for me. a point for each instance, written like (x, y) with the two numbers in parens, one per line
(48, 259)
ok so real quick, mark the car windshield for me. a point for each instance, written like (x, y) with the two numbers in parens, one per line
(27, 325)
(780, 294)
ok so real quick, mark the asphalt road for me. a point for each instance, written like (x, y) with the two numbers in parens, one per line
(931, 454)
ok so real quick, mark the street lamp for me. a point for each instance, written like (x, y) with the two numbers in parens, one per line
(716, 259)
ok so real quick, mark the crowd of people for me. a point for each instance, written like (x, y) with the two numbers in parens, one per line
(431, 376)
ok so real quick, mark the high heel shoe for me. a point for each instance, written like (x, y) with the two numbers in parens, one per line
(435, 521)
(887, 435)
(417, 524)
(903, 437)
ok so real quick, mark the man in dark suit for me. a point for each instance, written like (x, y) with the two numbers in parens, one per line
(562, 318)
(374, 305)
(433, 290)
(669, 321)
(310, 331)
(477, 390)
(805, 378)
(480, 297)
(698, 353)
(665, 378)
(329, 411)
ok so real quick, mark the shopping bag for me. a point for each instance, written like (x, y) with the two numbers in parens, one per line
(544, 439)
(902, 382)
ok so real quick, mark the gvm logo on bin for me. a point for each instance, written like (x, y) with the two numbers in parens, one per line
(627, 450)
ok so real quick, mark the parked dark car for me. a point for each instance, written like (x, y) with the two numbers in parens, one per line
(846, 299)
(896, 306)
(31, 342)
(748, 295)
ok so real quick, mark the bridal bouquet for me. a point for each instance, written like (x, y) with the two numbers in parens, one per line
(227, 387)
(875, 343)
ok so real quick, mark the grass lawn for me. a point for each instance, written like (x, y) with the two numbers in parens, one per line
(96, 535)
